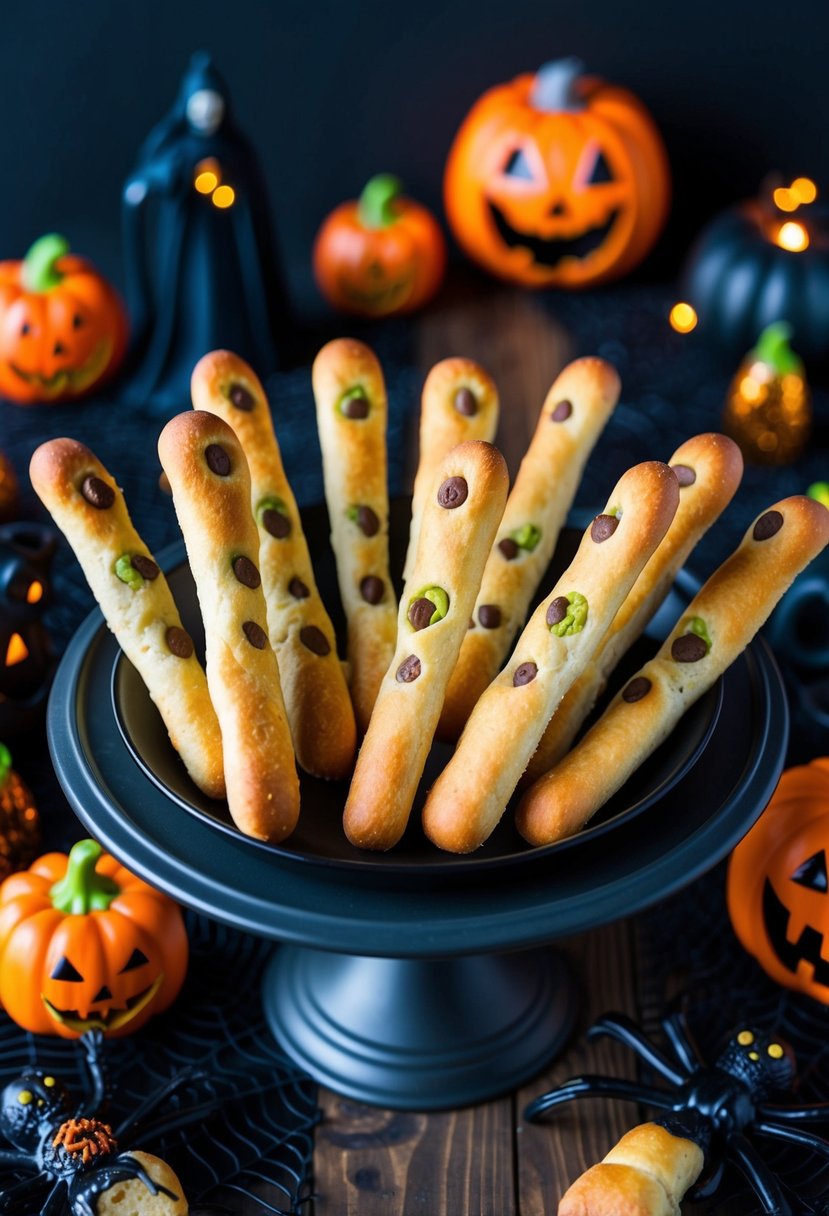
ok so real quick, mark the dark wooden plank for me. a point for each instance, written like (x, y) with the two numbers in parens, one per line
(371, 1162)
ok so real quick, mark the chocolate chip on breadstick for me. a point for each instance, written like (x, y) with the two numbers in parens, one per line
(708, 468)
(573, 415)
(88, 507)
(459, 403)
(459, 520)
(211, 491)
(469, 797)
(351, 418)
(645, 1174)
(316, 696)
(716, 627)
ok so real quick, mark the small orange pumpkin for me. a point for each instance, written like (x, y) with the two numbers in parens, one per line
(85, 945)
(557, 180)
(379, 254)
(778, 883)
(63, 329)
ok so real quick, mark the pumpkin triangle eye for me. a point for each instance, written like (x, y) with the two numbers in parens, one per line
(812, 873)
(518, 166)
(65, 971)
(136, 959)
(601, 171)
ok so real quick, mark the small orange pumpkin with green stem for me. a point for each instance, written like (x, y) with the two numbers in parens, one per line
(86, 945)
(380, 254)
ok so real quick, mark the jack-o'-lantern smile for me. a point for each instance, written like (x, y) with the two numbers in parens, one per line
(550, 251)
(69, 379)
(105, 1019)
(809, 945)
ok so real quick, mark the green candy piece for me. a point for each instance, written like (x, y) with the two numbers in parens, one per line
(270, 504)
(126, 571)
(436, 596)
(357, 393)
(526, 537)
(5, 763)
(695, 624)
(575, 619)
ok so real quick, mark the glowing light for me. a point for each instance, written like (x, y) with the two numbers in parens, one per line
(683, 318)
(17, 650)
(804, 189)
(785, 199)
(208, 175)
(750, 390)
(792, 236)
(224, 196)
(35, 593)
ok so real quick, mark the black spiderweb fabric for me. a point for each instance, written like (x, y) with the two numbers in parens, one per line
(254, 1137)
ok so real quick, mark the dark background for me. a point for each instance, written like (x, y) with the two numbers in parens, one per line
(332, 92)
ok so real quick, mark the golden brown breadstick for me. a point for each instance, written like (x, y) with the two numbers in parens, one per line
(708, 469)
(503, 731)
(313, 684)
(645, 1174)
(211, 491)
(351, 417)
(459, 521)
(89, 508)
(573, 415)
(718, 624)
(459, 402)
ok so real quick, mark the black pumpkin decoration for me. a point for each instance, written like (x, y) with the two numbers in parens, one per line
(757, 263)
(26, 657)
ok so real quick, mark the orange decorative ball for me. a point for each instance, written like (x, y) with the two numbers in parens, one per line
(86, 945)
(557, 180)
(379, 254)
(63, 329)
(778, 885)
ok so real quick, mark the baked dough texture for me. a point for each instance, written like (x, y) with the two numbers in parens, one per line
(86, 504)
(316, 695)
(132, 1198)
(211, 491)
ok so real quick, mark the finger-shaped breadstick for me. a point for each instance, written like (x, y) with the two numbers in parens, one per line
(211, 491)
(503, 731)
(708, 469)
(573, 415)
(645, 1174)
(89, 508)
(459, 403)
(718, 624)
(316, 696)
(351, 417)
(459, 521)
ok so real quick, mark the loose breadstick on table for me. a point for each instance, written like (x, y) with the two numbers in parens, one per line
(503, 731)
(645, 1174)
(716, 627)
(708, 468)
(89, 508)
(459, 402)
(211, 490)
(351, 417)
(459, 521)
(313, 684)
(573, 416)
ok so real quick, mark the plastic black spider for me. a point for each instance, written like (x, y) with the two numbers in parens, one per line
(66, 1147)
(721, 1107)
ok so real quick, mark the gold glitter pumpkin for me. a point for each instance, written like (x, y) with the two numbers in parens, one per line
(769, 411)
(19, 820)
(9, 489)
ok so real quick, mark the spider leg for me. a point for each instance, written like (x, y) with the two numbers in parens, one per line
(816, 1113)
(619, 1026)
(11, 1196)
(597, 1087)
(682, 1040)
(706, 1188)
(95, 1085)
(17, 1160)
(54, 1199)
(762, 1181)
(793, 1135)
(126, 1129)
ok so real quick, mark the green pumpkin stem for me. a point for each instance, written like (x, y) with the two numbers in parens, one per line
(81, 890)
(39, 270)
(377, 204)
(554, 87)
(5, 763)
(773, 349)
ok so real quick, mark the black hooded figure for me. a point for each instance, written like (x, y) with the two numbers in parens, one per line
(200, 265)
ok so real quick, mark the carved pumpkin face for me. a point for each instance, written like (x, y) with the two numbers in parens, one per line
(556, 180)
(778, 883)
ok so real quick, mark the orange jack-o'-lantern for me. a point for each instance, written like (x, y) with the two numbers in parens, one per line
(86, 945)
(557, 180)
(778, 883)
(62, 327)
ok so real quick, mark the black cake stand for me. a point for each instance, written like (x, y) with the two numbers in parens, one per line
(412, 979)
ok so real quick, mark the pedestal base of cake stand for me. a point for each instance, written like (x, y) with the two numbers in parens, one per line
(415, 1034)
